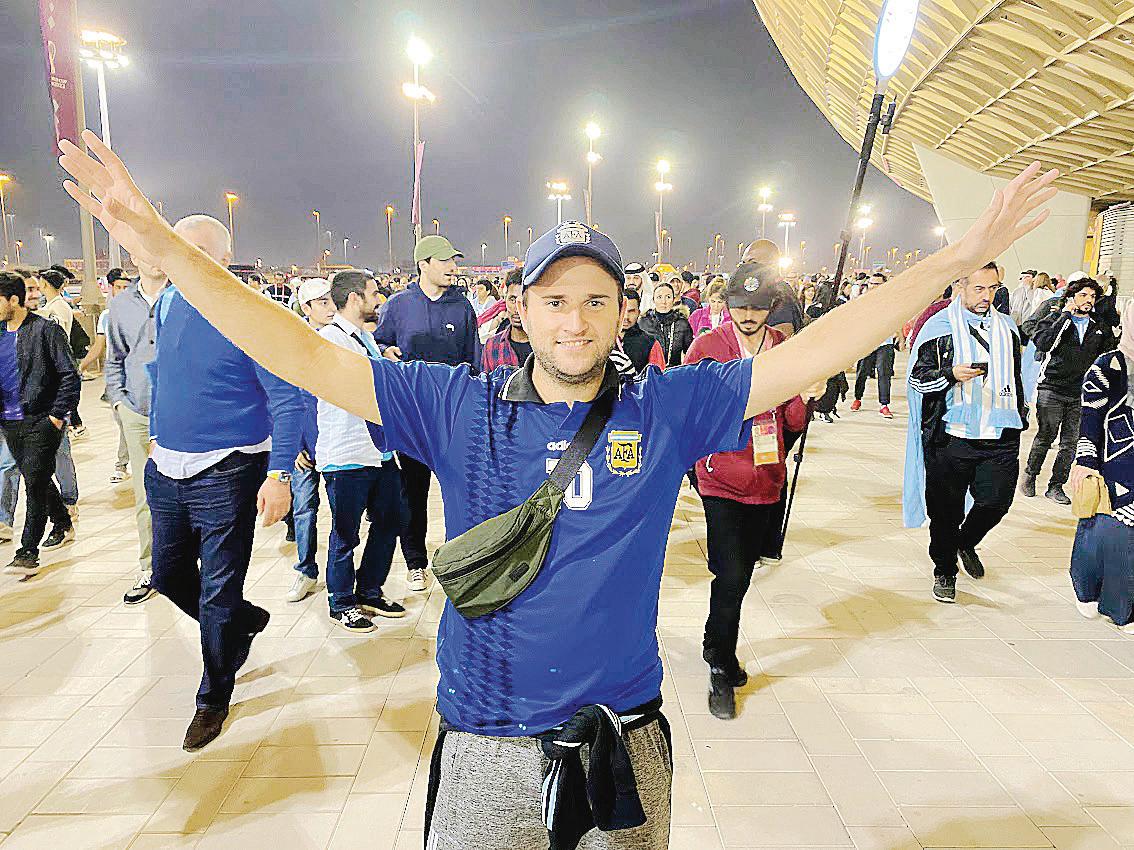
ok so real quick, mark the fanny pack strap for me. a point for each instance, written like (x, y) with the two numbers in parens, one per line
(571, 461)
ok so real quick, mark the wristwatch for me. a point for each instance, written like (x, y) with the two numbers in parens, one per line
(280, 476)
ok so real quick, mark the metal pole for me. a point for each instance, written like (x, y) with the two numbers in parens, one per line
(318, 242)
(346, 242)
(590, 178)
(4, 213)
(559, 205)
(390, 237)
(661, 198)
(47, 245)
(231, 228)
(113, 251)
(416, 186)
(763, 223)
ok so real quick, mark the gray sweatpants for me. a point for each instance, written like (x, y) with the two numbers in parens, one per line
(489, 794)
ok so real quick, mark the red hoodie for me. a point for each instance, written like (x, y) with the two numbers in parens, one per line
(734, 475)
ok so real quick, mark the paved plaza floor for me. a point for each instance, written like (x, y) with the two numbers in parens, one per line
(875, 718)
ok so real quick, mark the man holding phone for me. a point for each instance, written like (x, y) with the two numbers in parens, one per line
(967, 410)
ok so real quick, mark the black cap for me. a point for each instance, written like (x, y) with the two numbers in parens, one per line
(754, 286)
(688, 276)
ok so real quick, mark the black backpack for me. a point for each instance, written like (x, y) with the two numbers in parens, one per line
(80, 341)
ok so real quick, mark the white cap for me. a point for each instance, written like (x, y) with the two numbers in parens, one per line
(1077, 276)
(312, 288)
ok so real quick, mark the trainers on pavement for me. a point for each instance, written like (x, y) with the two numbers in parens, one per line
(416, 580)
(140, 592)
(23, 565)
(884, 412)
(856, 405)
(945, 588)
(1028, 485)
(722, 699)
(73, 512)
(1090, 610)
(59, 537)
(972, 562)
(119, 475)
(1056, 494)
(301, 588)
(381, 607)
(353, 620)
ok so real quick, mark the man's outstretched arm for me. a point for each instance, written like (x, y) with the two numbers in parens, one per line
(268, 332)
(851, 331)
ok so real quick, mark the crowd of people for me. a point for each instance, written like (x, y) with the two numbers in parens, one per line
(232, 407)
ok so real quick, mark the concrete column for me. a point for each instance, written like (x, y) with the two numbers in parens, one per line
(961, 194)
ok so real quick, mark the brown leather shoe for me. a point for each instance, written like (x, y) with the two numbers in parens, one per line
(204, 727)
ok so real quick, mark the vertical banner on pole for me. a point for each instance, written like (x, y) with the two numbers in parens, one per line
(419, 157)
(57, 21)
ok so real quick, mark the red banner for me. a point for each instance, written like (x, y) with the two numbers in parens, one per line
(58, 21)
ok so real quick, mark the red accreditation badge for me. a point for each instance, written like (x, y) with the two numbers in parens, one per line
(765, 440)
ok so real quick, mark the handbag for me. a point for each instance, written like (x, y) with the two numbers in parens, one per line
(1090, 498)
(495, 561)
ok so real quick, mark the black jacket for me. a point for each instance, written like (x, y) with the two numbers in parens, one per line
(932, 375)
(637, 344)
(672, 330)
(1067, 359)
(49, 379)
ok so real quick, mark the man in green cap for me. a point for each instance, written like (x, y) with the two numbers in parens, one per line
(433, 322)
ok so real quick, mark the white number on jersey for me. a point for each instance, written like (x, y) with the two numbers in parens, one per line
(578, 498)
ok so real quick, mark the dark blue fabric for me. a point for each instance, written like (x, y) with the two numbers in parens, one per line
(441, 331)
(1102, 566)
(11, 407)
(211, 517)
(304, 512)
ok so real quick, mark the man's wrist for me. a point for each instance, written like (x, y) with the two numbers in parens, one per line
(281, 475)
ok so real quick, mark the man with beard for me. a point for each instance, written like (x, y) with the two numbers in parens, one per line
(510, 346)
(740, 490)
(360, 478)
(640, 349)
(573, 658)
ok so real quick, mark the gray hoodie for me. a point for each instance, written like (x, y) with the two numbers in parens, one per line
(130, 348)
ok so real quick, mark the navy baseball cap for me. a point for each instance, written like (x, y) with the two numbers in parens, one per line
(572, 239)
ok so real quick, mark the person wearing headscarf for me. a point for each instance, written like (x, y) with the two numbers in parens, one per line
(1102, 566)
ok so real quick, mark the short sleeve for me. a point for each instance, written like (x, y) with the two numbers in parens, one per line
(100, 330)
(420, 405)
(709, 400)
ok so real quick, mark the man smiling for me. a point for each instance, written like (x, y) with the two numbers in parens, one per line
(573, 657)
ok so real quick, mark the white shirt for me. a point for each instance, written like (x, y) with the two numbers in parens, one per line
(60, 312)
(179, 465)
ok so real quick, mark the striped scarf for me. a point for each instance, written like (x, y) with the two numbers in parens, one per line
(966, 401)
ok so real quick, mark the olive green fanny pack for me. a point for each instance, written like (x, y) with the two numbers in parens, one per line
(492, 563)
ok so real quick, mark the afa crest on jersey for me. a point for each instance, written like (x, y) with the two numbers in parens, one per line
(624, 452)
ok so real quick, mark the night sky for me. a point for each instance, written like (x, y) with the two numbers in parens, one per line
(297, 106)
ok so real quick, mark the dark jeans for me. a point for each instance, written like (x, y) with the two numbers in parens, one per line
(377, 492)
(304, 512)
(880, 361)
(986, 469)
(415, 479)
(209, 517)
(34, 443)
(1102, 569)
(1058, 415)
(736, 539)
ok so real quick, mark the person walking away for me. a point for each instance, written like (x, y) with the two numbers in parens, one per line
(315, 301)
(130, 344)
(40, 386)
(225, 438)
(429, 321)
(879, 363)
(1102, 569)
(967, 411)
(1070, 339)
(667, 326)
(360, 478)
(739, 489)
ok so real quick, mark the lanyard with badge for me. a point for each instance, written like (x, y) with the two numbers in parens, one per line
(765, 429)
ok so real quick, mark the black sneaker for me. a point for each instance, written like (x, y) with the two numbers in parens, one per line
(1028, 485)
(140, 592)
(353, 620)
(258, 622)
(1056, 494)
(205, 726)
(381, 607)
(290, 536)
(972, 563)
(59, 537)
(23, 565)
(945, 589)
(722, 700)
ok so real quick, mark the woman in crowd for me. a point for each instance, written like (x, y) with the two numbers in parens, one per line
(667, 326)
(1102, 561)
(807, 298)
(714, 313)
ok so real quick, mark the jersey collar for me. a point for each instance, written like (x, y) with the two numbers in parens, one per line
(520, 386)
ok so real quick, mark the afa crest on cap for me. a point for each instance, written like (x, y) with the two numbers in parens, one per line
(752, 284)
(572, 233)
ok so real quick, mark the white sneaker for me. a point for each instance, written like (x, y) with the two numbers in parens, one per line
(119, 475)
(1090, 610)
(416, 580)
(301, 588)
(6, 533)
(1128, 629)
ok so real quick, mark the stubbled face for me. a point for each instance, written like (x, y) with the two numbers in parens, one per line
(979, 289)
(370, 302)
(320, 311)
(34, 295)
(748, 320)
(8, 307)
(440, 273)
(1083, 302)
(631, 313)
(512, 304)
(634, 281)
(663, 299)
(572, 315)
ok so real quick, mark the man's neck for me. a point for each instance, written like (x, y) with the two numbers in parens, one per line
(752, 343)
(152, 286)
(552, 390)
(432, 291)
(19, 314)
(352, 318)
(517, 333)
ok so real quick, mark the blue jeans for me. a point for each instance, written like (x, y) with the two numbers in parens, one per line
(377, 491)
(305, 511)
(9, 485)
(65, 472)
(211, 517)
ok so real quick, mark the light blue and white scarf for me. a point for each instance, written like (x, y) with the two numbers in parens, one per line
(967, 402)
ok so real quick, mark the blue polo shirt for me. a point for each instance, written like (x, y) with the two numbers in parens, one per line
(584, 632)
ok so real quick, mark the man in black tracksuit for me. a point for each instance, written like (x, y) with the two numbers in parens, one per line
(1072, 338)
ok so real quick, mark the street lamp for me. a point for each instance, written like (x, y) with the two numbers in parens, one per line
(436, 227)
(529, 237)
(346, 244)
(764, 208)
(939, 232)
(558, 193)
(507, 220)
(318, 242)
(661, 187)
(864, 223)
(390, 232)
(231, 198)
(18, 244)
(419, 54)
(593, 132)
(47, 240)
(4, 180)
(787, 222)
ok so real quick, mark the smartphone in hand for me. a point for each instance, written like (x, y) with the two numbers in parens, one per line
(980, 367)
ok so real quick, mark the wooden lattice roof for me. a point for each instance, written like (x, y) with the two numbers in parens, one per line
(993, 84)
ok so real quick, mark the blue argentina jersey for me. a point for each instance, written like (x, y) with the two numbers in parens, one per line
(584, 632)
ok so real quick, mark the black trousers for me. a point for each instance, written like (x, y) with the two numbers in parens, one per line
(33, 443)
(880, 361)
(1058, 416)
(737, 536)
(986, 469)
(415, 478)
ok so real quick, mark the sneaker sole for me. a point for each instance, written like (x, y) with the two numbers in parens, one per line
(304, 596)
(417, 589)
(366, 609)
(347, 628)
(59, 545)
(26, 572)
(140, 600)
(945, 599)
